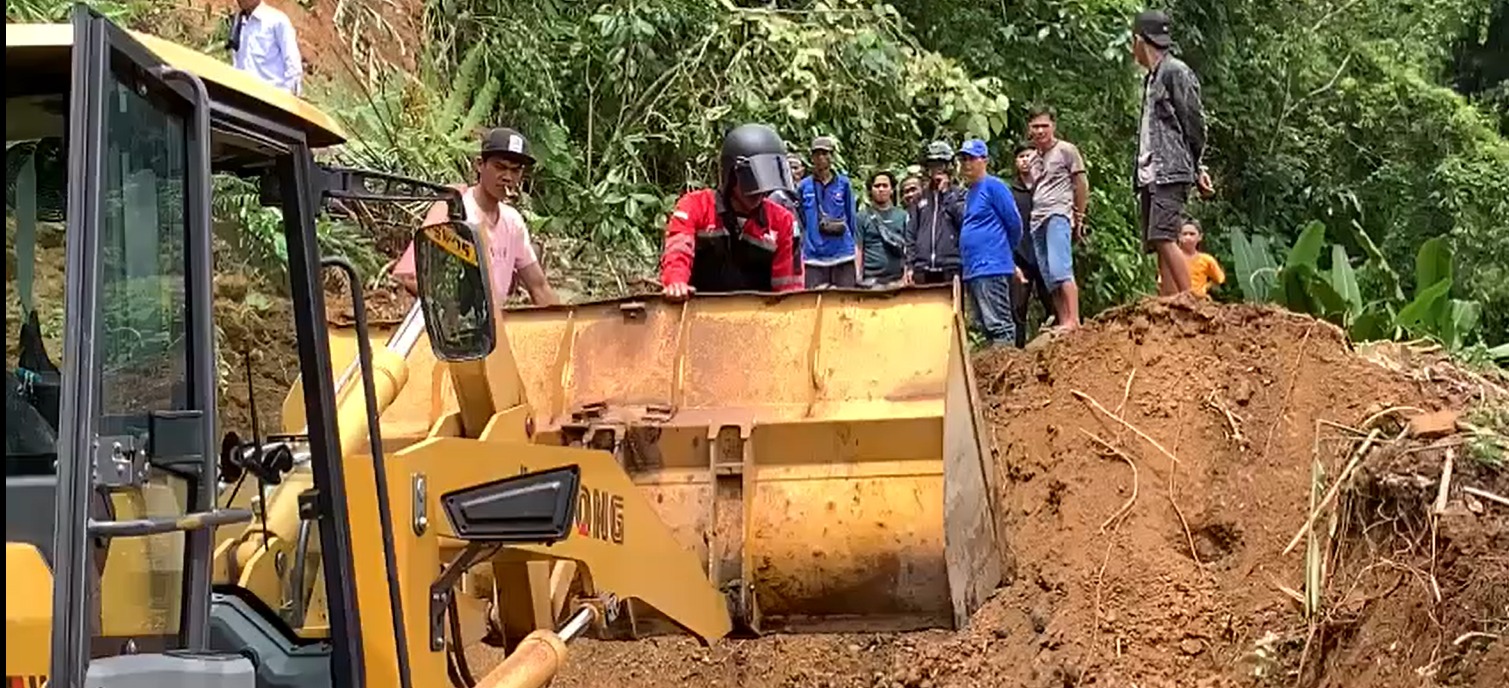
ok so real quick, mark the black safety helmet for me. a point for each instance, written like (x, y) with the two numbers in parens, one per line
(754, 156)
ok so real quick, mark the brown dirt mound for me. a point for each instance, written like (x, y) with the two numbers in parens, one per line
(1187, 587)
(253, 322)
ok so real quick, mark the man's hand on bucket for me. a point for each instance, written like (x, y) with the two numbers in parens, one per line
(678, 291)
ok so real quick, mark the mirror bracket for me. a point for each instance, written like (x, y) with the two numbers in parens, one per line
(352, 184)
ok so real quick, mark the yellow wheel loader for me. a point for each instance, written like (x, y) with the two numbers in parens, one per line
(821, 453)
(113, 454)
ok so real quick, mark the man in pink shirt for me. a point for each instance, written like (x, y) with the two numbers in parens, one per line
(500, 166)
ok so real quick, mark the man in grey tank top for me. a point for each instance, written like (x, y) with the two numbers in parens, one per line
(1060, 193)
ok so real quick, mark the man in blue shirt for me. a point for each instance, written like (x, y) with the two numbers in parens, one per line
(992, 226)
(263, 43)
(828, 223)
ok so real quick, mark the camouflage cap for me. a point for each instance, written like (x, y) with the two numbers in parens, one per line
(939, 151)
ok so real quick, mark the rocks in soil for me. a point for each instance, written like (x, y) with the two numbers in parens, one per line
(1433, 425)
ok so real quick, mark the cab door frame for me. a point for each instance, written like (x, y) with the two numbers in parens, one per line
(102, 52)
(99, 47)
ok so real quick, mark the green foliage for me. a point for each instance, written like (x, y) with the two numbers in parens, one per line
(1480, 63)
(1256, 270)
(1433, 312)
(1306, 288)
(57, 11)
(251, 241)
(1317, 110)
(1073, 55)
(1336, 293)
(1336, 112)
(1330, 112)
(625, 104)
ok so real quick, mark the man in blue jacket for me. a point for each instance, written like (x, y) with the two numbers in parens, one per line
(992, 226)
(828, 222)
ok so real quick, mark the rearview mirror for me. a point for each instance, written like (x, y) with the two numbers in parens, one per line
(455, 291)
(533, 508)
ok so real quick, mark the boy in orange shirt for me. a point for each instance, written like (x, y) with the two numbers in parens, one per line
(1203, 268)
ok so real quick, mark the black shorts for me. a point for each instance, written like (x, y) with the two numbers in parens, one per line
(1162, 213)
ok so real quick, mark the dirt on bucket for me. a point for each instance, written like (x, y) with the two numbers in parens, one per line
(1156, 551)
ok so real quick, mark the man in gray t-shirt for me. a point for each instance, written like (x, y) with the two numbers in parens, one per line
(1060, 192)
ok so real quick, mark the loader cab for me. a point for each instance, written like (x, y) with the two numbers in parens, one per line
(111, 432)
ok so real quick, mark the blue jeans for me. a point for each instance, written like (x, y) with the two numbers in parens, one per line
(1052, 241)
(990, 308)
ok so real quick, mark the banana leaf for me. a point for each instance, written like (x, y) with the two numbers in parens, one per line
(1458, 321)
(1432, 264)
(1423, 314)
(1256, 271)
(1344, 280)
(1374, 322)
(1307, 248)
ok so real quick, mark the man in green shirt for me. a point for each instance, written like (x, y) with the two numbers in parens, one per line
(882, 238)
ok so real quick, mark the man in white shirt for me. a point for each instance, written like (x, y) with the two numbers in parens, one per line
(263, 43)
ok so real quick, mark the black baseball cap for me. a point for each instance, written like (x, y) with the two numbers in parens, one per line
(506, 142)
(1154, 26)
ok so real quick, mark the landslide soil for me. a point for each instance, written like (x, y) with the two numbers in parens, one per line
(1187, 588)
(259, 327)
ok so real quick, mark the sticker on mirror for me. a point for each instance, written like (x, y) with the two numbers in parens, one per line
(446, 238)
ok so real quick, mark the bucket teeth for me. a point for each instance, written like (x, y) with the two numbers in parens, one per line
(742, 608)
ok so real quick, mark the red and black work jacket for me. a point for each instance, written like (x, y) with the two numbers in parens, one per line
(708, 247)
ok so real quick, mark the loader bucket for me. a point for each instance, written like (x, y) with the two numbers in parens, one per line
(822, 452)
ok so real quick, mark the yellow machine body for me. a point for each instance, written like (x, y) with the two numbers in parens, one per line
(823, 450)
(28, 611)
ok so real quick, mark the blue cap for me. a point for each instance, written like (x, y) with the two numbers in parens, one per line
(974, 148)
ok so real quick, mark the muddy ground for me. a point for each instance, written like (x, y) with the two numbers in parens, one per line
(1187, 584)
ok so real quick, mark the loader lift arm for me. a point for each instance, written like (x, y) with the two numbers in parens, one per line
(627, 552)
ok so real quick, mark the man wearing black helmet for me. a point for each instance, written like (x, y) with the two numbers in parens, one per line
(734, 237)
(933, 221)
